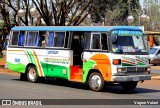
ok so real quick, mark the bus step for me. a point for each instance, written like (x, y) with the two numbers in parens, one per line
(78, 76)
(80, 71)
(76, 80)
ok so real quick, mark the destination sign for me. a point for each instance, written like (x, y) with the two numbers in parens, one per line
(127, 33)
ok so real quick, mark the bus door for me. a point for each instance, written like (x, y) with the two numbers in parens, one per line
(77, 46)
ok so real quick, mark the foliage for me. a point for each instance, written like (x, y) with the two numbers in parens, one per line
(115, 12)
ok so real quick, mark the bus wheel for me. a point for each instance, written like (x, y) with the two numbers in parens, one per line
(23, 77)
(96, 82)
(32, 74)
(129, 86)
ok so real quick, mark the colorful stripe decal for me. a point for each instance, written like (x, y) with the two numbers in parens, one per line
(20, 51)
(38, 63)
(128, 62)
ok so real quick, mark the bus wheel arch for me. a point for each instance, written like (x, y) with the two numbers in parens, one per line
(32, 73)
(23, 76)
(95, 80)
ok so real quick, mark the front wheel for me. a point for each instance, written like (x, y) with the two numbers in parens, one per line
(32, 74)
(129, 86)
(96, 82)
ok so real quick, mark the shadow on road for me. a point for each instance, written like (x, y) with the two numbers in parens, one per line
(116, 89)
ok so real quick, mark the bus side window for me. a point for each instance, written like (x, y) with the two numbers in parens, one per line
(21, 38)
(66, 40)
(51, 39)
(96, 41)
(59, 39)
(15, 37)
(87, 37)
(104, 41)
(31, 38)
(42, 35)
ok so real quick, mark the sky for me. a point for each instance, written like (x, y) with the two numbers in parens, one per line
(141, 3)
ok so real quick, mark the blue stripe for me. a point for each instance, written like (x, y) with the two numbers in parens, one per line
(74, 28)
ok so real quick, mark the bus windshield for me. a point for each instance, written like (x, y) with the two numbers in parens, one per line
(130, 43)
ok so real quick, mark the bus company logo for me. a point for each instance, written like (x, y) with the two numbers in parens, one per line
(17, 60)
(52, 52)
(6, 102)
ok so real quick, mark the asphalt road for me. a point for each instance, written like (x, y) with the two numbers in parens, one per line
(155, 70)
(12, 88)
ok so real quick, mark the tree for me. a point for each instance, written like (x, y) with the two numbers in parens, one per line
(115, 12)
(152, 9)
(63, 12)
(6, 26)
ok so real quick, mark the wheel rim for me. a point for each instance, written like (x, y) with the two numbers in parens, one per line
(96, 81)
(32, 74)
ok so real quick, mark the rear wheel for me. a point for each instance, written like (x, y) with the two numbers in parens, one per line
(129, 86)
(96, 81)
(32, 74)
(154, 64)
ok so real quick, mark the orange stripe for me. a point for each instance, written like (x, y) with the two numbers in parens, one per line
(128, 62)
(21, 51)
(41, 74)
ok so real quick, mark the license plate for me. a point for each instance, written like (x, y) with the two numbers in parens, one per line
(135, 78)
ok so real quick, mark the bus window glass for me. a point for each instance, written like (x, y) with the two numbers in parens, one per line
(59, 39)
(96, 41)
(15, 37)
(66, 40)
(31, 38)
(51, 39)
(21, 38)
(41, 39)
(104, 41)
(87, 40)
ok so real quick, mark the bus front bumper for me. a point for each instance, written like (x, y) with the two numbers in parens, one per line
(131, 78)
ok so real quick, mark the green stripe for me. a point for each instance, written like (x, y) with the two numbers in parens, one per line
(29, 56)
(33, 57)
(34, 61)
(126, 64)
(140, 63)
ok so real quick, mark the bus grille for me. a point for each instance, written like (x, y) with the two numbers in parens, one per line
(135, 69)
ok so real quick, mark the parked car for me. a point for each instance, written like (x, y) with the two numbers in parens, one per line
(154, 55)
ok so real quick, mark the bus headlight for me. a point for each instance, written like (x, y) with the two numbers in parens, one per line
(121, 69)
(148, 69)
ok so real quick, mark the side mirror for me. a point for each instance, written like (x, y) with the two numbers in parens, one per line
(114, 38)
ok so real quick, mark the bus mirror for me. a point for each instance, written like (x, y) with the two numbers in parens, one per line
(114, 38)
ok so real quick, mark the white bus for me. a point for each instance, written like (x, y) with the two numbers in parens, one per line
(93, 55)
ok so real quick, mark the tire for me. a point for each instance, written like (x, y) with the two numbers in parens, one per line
(32, 74)
(129, 86)
(23, 77)
(154, 64)
(96, 82)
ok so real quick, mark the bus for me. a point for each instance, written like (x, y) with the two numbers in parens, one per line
(95, 55)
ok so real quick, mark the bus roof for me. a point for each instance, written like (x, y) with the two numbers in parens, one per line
(74, 28)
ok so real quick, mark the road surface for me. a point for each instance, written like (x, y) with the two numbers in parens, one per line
(12, 88)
